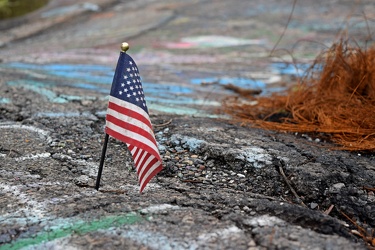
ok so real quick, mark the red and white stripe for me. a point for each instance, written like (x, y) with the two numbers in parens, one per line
(131, 124)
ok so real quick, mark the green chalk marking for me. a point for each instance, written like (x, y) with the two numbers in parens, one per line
(78, 227)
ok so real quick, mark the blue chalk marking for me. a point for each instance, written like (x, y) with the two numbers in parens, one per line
(88, 86)
(77, 98)
(91, 73)
(171, 98)
(192, 143)
(240, 82)
(181, 110)
(176, 100)
(59, 67)
(161, 89)
(4, 100)
(173, 110)
(39, 88)
(298, 69)
(65, 114)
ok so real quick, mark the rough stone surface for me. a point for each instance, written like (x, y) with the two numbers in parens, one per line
(223, 186)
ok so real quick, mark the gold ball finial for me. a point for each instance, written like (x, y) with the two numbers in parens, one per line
(124, 47)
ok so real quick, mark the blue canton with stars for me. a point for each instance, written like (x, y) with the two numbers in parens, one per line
(127, 84)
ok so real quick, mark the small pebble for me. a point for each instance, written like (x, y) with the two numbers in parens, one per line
(338, 185)
(313, 205)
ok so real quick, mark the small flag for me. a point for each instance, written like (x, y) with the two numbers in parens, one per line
(127, 119)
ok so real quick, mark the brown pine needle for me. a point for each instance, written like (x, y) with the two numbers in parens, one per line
(336, 98)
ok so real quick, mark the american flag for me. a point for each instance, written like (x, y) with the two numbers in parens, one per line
(127, 120)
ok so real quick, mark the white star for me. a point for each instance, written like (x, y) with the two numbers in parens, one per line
(128, 69)
(137, 99)
(128, 95)
(130, 62)
(134, 93)
(128, 82)
(125, 77)
(131, 75)
(122, 84)
(131, 88)
(126, 90)
(120, 92)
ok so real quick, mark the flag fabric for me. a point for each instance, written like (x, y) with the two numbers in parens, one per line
(127, 120)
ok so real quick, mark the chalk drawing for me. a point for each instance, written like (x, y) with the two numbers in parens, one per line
(61, 11)
(54, 232)
(62, 227)
(98, 78)
(157, 208)
(154, 240)
(219, 234)
(180, 110)
(134, 189)
(240, 82)
(265, 221)
(77, 227)
(42, 133)
(38, 88)
(190, 143)
(91, 73)
(33, 210)
(257, 157)
(57, 244)
(147, 57)
(167, 89)
(212, 42)
(165, 97)
(91, 77)
(65, 114)
(298, 69)
(33, 156)
(4, 100)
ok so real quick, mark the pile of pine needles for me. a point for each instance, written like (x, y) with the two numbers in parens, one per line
(336, 98)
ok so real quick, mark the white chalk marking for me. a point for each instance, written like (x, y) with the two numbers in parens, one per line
(57, 244)
(158, 208)
(265, 220)
(258, 157)
(153, 240)
(219, 234)
(135, 188)
(32, 208)
(42, 133)
(33, 157)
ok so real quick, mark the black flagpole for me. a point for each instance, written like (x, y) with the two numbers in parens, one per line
(101, 162)
(124, 48)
